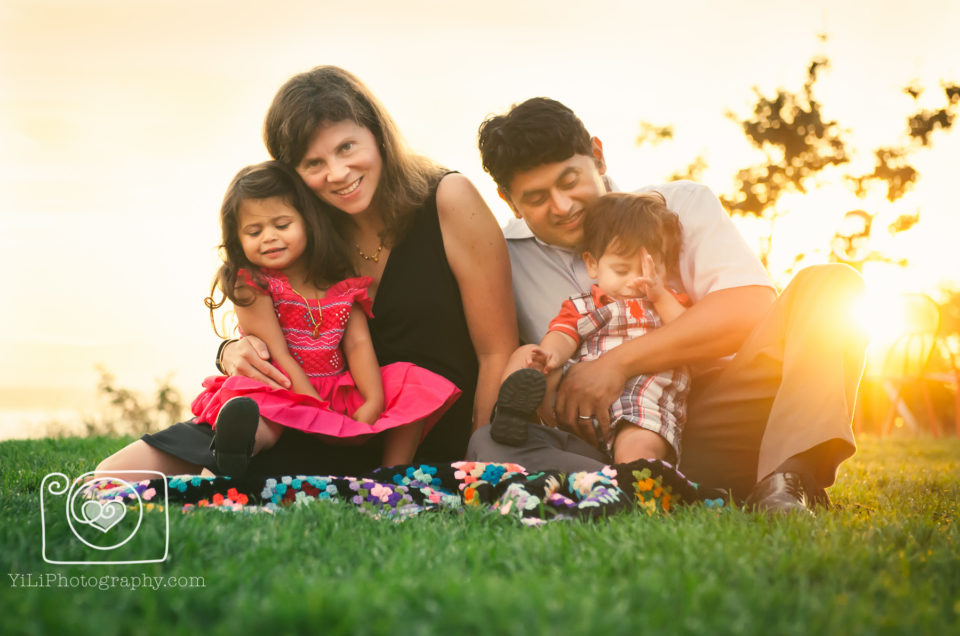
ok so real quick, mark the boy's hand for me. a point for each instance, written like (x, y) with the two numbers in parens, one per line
(544, 360)
(651, 282)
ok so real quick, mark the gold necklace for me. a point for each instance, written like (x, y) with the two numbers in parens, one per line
(367, 257)
(316, 323)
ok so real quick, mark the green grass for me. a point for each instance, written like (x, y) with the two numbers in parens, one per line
(885, 560)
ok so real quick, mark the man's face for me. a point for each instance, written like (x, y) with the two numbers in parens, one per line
(552, 196)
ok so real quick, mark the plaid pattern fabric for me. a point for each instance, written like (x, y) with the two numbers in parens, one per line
(653, 402)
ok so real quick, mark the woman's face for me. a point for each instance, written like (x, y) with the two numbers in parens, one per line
(342, 165)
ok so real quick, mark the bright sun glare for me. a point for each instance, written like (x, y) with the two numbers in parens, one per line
(898, 322)
(882, 316)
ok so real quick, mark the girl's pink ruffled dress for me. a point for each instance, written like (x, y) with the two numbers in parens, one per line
(411, 393)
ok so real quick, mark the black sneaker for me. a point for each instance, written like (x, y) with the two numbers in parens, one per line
(234, 435)
(517, 402)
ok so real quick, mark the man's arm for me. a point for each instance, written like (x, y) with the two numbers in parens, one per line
(714, 327)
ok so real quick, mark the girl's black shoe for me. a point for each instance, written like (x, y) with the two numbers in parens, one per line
(234, 436)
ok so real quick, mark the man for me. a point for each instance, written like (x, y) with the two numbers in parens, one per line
(772, 422)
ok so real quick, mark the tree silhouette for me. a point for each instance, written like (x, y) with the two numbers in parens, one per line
(892, 167)
(801, 148)
(797, 143)
(925, 122)
(693, 172)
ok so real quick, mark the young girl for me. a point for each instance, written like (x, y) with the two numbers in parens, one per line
(631, 242)
(287, 273)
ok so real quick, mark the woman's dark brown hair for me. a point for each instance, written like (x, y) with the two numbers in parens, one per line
(329, 94)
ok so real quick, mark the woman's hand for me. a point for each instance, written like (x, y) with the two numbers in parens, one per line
(250, 358)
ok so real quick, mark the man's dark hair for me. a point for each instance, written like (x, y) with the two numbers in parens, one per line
(536, 132)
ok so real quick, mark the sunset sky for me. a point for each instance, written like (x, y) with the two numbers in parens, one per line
(122, 122)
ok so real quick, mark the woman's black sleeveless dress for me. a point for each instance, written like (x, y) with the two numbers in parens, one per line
(418, 318)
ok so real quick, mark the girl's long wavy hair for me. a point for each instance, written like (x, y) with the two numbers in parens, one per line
(329, 94)
(326, 256)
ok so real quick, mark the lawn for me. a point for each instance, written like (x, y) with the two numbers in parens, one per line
(884, 560)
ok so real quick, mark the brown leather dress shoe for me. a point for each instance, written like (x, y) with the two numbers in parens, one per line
(779, 493)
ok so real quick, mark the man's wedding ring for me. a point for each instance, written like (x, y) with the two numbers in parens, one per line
(585, 417)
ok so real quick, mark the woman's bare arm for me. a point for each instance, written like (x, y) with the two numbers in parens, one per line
(477, 253)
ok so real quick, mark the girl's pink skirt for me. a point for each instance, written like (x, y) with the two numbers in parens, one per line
(411, 393)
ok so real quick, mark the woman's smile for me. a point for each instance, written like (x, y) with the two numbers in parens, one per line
(336, 154)
(350, 189)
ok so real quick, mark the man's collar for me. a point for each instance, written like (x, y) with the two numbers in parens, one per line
(517, 229)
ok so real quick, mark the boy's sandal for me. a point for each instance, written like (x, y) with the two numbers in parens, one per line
(234, 436)
(516, 408)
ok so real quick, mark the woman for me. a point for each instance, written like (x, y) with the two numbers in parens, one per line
(432, 247)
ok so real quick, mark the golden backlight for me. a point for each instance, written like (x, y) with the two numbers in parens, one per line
(122, 123)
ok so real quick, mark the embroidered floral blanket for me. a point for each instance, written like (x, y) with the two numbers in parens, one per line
(652, 487)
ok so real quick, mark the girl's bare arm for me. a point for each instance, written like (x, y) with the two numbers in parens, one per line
(364, 367)
(260, 320)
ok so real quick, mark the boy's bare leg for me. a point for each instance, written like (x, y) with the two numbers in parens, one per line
(546, 412)
(519, 359)
(634, 443)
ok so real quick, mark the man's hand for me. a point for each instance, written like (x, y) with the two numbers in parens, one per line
(250, 358)
(586, 393)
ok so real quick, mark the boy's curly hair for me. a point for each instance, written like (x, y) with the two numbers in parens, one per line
(624, 223)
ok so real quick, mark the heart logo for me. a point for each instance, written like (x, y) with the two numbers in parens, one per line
(103, 516)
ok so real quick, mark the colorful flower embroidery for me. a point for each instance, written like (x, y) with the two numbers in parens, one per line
(649, 486)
